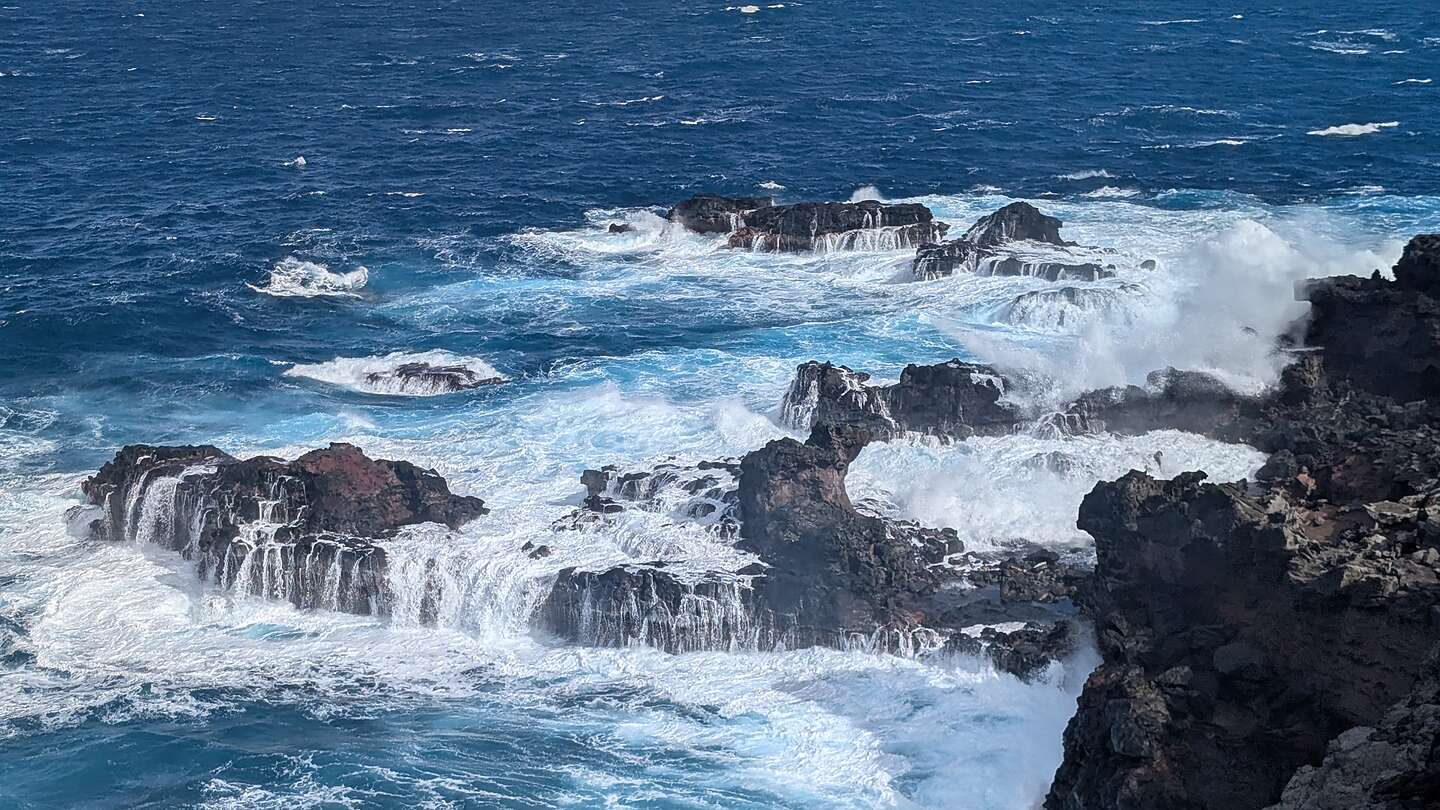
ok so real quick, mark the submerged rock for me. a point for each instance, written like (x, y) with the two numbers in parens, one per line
(297, 530)
(429, 378)
(1191, 401)
(1383, 336)
(1067, 307)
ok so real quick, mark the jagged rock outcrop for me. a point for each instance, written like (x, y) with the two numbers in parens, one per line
(983, 250)
(429, 378)
(1394, 765)
(1064, 307)
(1266, 642)
(713, 213)
(952, 400)
(1018, 221)
(825, 574)
(837, 226)
(1240, 632)
(755, 223)
(295, 530)
(1383, 336)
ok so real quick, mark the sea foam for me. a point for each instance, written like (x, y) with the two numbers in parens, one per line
(296, 278)
(375, 375)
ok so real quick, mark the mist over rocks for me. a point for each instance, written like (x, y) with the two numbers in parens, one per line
(982, 250)
(837, 226)
(1266, 642)
(1384, 336)
(303, 531)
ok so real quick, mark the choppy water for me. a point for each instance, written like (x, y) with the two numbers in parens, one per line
(171, 272)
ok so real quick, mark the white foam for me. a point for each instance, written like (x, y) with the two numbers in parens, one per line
(298, 161)
(1351, 130)
(1112, 192)
(1085, 175)
(771, 185)
(1414, 81)
(353, 372)
(997, 490)
(296, 278)
(864, 193)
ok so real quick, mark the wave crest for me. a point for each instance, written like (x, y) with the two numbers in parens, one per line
(297, 278)
(406, 374)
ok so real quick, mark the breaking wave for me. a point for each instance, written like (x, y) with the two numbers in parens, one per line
(1352, 130)
(296, 278)
(383, 374)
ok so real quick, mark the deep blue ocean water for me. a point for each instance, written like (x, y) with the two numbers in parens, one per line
(469, 155)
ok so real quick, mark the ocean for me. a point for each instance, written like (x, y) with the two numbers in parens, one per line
(217, 219)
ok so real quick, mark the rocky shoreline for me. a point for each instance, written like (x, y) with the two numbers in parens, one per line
(1267, 643)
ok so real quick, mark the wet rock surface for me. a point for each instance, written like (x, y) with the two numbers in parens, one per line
(837, 226)
(952, 400)
(755, 223)
(297, 530)
(1265, 643)
(430, 378)
(712, 213)
(988, 249)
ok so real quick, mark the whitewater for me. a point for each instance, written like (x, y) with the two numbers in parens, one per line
(120, 634)
(173, 271)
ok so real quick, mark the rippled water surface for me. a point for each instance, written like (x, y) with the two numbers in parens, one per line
(216, 219)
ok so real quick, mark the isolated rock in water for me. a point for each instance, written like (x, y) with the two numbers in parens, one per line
(946, 259)
(295, 530)
(621, 227)
(954, 400)
(1240, 632)
(428, 378)
(837, 226)
(982, 250)
(1018, 221)
(712, 213)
